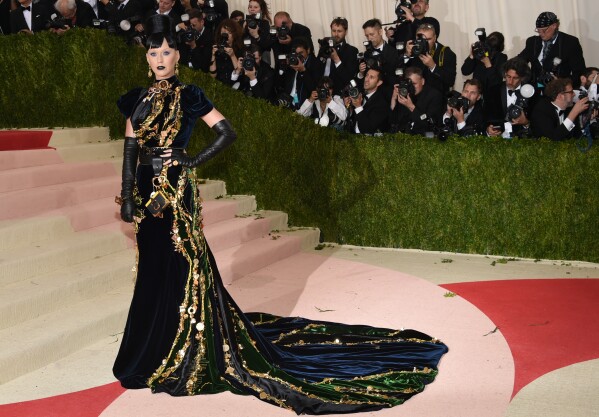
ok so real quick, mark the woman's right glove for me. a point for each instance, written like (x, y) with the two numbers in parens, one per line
(130, 154)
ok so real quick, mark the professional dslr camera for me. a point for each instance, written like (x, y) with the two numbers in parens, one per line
(107, 25)
(370, 56)
(593, 105)
(406, 88)
(188, 34)
(283, 31)
(222, 44)
(481, 49)
(400, 13)
(351, 90)
(249, 62)
(547, 76)
(58, 22)
(521, 105)
(327, 45)
(253, 20)
(457, 101)
(210, 13)
(323, 93)
(420, 46)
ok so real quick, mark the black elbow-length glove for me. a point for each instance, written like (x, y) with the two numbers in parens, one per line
(130, 154)
(226, 136)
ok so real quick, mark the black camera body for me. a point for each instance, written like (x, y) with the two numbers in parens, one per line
(222, 44)
(249, 62)
(406, 88)
(420, 46)
(547, 76)
(371, 56)
(283, 31)
(210, 13)
(323, 93)
(457, 101)
(58, 22)
(253, 20)
(593, 105)
(481, 49)
(188, 35)
(515, 110)
(351, 90)
(327, 45)
(400, 13)
(294, 58)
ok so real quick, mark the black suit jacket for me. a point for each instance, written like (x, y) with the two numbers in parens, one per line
(84, 17)
(347, 70)
(475, 122)
(429, 106)
(566, 47)
(297, 30)
(201, 55)
(132, 9)
(544, 122)
(266, 83)
(39, 18)
(306, 81)
(495, 107)
(173, 15)
(443, 77)
(487, 76)
(374, 115)
(406, 31)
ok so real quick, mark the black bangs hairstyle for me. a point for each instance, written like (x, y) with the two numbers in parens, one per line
(158, 28)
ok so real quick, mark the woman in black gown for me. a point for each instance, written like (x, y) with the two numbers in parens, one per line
(184, 334)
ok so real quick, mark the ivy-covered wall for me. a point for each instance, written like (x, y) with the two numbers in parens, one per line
(526, 197)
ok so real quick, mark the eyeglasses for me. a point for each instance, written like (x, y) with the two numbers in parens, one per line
(543, 30)
(568, 92)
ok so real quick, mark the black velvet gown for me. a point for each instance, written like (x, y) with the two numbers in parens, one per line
(186, 336)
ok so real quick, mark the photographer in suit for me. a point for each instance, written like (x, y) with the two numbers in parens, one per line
(556, 116)
(255, 81)
(287, 31)
(414, 104)
(385, 54)
(410, 20)
(465, 113)
(341, 61)
(369, 111)
(486, 60)
(438, 62)
(115, 11)
(542, 50)
(196, 52)
(29, 17)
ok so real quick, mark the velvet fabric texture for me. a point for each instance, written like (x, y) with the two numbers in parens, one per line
(185, 335)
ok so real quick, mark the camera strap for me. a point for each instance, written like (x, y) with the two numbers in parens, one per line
(442, 56)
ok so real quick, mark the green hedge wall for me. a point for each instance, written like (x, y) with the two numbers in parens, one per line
(526, 198)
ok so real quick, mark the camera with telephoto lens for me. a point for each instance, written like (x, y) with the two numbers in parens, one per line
(400, 13)
(188, 34)
(481, 49)
(283, 100)
(58, 22)
(371, 56)
(210, 13)
(322, 93)
(457, 101)
(521, 105)
(249, 61)
(253, 20)
(420, 46)
(351, 90)
(406, 88)
(283, 31)
(108, 25)
(222, 44)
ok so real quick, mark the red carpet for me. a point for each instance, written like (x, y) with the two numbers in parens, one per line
(547, 323)
(12, 140)
(86, 403)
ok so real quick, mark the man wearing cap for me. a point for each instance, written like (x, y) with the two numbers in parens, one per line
(543, 50)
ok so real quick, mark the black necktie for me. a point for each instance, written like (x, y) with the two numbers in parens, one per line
(28, 8)
(545, 51)
(365, 100)
(510, 92)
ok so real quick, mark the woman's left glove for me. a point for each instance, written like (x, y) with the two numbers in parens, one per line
(226, 136)
(130, 154)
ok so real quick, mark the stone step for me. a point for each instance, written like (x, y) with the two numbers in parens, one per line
(215, 211)
(237, 261)
(239, 230)
(52, 255)
(39, 176)
(27, 203)
(78, 136)
(28, 158)
(22, 233)
(43, 340)
(28, 299)
(92, 151)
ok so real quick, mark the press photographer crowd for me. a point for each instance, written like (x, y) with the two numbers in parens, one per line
(401, 79)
